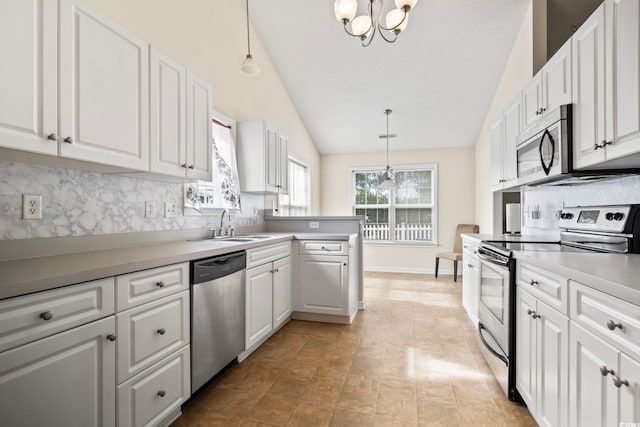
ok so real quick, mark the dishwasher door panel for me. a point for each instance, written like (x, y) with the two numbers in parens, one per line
(217, 327)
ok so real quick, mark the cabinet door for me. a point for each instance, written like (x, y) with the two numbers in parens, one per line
(324, 281)
(104, 89)
(629, 394)
(526, 348)
(65, 380)
(469, 287)
(593, 399)
(512, 128)
(283, 164)
(272, 159)
(168, 132)
(28, 77)
(532, 101)
(623, 77)
(496, 134)
(552, 355)
(259, 304)
(556, 79)
(281, 291)
(199, 141)
(588, 44)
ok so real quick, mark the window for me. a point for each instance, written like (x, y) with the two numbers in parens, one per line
(296, 203)
(406, 214)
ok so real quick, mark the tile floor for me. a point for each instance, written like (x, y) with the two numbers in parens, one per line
(411, 358)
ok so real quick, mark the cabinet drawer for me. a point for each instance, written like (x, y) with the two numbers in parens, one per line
(150, 396)
(319, 247)
(264, 254)
(545, 285)
(599, 312)
(24, 319)
(143, 286)
(150, 332)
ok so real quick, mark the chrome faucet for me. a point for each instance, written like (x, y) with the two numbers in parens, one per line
(222, 220)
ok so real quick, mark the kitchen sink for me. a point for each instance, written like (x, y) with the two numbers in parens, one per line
(237, 239)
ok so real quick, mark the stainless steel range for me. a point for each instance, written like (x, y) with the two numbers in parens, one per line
(610, 229)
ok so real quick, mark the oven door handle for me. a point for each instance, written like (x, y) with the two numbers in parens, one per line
(482, 256)
(502, 357)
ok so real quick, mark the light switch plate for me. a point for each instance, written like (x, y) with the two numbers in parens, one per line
(314, 224)
(170, 209)
(150, 209)
(31, 206)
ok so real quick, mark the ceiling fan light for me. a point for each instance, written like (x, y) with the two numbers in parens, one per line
(361, 26)
(249, 67)
(400, 4)
(345, 9)
(396, 20)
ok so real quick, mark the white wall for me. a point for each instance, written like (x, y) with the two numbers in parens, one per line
(517, 73)
(456, 171)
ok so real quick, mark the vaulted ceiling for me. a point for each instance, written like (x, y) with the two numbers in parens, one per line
(438, 78)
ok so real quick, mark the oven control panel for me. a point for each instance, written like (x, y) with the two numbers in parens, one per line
(595, 218)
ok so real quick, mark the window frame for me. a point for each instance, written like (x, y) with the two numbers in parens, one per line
(392, 206)
(293, 159)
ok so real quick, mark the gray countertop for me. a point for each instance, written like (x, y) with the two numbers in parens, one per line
(24, 276)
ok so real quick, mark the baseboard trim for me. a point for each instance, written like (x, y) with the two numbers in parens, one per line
(326, 318)
(430, 271)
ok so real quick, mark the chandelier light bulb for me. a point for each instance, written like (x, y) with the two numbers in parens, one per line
(345, 9)
(400, 4)
(362, 26)
(397, 20)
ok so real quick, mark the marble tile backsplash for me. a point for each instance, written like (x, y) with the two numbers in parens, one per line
(545, 202)
(77, 203)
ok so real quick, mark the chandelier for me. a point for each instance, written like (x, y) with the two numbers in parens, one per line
(365, 26)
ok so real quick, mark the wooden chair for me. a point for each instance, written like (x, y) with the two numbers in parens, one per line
(456, 255)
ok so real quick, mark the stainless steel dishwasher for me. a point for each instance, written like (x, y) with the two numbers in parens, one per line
(217, 314)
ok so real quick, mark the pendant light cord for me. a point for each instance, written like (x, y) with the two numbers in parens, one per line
(387, 139)
(248, 42)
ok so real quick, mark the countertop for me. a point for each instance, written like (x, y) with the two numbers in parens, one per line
(24, 276)
(509, 237)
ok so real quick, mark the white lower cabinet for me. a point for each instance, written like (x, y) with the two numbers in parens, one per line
(259, 304)
(324, 284)
(542, 349)
(65, 380)
(470, 280)
(281, 291)
(151, 396)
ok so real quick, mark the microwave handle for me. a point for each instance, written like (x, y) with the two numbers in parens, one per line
(547, 168)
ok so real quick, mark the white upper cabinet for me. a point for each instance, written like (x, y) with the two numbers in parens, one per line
(262, 158)
(550, 88)
(104, 89)
(199, 115)
(588, 90)
(496, 135)
(623, 77)
(28, 78)
(504, 134)
(168, 115)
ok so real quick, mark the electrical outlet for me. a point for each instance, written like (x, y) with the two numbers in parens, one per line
(314, 224)
(31, 206)
(150, 209)
(170, 209)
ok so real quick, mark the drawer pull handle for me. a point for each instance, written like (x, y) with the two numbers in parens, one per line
(606, 371)
(276, 270)
(190, 166)
(619, 383)
(533, 282)
(52, 137)
(162, 393)
(112, 337)
(68, 140)
(160, 284)
(47, 315)
(161, 331)
(613, 325)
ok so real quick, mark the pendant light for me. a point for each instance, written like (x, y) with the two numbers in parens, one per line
(388, 178)
(249, 67)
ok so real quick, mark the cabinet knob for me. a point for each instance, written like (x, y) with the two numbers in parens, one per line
(542, 110)
(613, 325)
(619, 383)
(68, 140)
(190, 166)
(530, 312)
(112, 337)
(161, 331)
(469, 265)
(344, 263)
(605, 371)
(162, 393)
(535, 316)
(47, 315)
(160, 284)
(533, 282)
(52, 137)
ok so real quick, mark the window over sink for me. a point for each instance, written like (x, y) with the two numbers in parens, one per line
(406, 214)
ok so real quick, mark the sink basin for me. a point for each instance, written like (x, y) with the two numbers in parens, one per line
(258, 237)
(237, 239)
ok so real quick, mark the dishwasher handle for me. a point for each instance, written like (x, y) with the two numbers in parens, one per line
(208, 269)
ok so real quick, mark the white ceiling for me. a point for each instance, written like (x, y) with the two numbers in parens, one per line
(438, 78)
